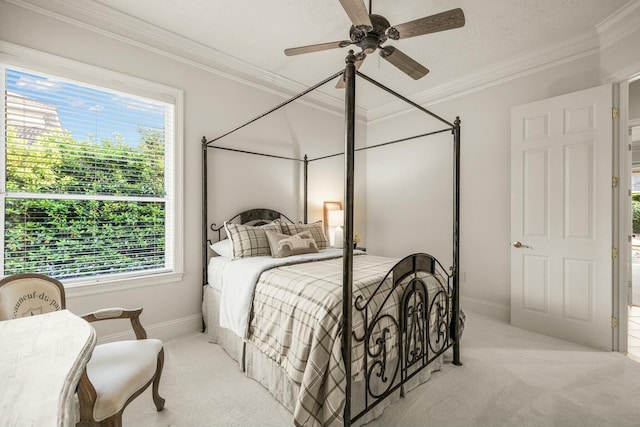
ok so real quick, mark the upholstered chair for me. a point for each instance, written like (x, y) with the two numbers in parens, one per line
(30, 294)
(119, 371)
(116, 373)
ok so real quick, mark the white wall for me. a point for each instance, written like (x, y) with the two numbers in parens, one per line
(295, 131)
(634, 116)
(411, 211)
(424, 178)
(212, 106)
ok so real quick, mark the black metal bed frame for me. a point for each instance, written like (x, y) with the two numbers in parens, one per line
(427, 324)
(259, 216)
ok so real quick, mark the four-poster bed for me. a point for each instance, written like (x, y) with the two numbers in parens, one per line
(407, 312)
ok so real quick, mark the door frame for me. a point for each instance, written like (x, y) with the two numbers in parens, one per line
(621, 205)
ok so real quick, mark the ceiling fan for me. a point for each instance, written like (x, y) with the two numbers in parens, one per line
(370, 31)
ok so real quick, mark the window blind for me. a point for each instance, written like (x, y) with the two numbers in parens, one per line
(85, 179)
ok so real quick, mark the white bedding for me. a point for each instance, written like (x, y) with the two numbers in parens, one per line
(237, 279)
(215, 271)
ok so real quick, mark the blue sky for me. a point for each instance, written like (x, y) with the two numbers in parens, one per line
(89, 112)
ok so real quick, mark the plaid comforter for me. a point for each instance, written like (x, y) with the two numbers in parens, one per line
(296, 320)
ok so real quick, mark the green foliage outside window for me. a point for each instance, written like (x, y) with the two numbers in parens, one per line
(635, 206)
(83, 236)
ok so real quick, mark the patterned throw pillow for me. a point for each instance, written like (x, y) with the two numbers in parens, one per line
(248, 241)
(316, 229)
(283, 245)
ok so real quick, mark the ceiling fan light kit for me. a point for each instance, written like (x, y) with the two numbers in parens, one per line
(369, 31)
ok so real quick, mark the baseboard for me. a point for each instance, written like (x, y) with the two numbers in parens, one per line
(486, 308)
(164, 331)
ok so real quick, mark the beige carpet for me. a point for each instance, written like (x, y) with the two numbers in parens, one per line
(510, 377)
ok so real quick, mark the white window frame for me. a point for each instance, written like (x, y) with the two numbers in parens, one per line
(19, 57)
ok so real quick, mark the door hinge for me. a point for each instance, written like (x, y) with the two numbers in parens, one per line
(614, 113)
(614, 253)
(614, 322)
(614, 181)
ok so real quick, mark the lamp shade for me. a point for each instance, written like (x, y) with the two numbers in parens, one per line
(336, 218)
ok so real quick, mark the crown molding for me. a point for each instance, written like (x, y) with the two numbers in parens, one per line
(96, 17)
(495, 74)
(629, 73)
(619, 24)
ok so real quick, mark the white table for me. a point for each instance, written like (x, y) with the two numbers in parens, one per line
(41, 360)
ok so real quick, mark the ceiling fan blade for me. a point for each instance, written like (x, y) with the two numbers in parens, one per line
(316, 47)
(357, 64)
(358, 14)
(403, 62)
(448, 20)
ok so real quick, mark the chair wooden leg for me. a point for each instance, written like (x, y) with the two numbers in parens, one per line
(87, 399)
(159, 401)
(113, 421)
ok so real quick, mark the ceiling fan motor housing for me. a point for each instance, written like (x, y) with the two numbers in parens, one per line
(369, 41)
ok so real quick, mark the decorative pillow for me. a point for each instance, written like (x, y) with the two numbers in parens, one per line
(283, 245)
(316, 229)
(223, 248)
(248, 241)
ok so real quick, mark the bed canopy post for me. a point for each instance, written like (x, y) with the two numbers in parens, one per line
(306, 187)
(204, 211)
(347, 269)
(455, 327)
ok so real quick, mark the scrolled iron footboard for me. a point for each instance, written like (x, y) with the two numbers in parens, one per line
(407, 325)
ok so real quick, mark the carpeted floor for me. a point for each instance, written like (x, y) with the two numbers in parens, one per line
(510, 377)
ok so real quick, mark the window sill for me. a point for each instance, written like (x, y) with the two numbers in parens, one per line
(73, 290)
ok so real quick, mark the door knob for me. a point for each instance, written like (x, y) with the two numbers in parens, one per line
(520, 245)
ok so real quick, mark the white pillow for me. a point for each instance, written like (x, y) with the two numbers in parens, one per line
(223, 248)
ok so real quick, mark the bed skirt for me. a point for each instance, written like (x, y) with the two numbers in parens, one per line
(264, 370)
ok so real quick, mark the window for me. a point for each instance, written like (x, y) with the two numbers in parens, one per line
(87, 180)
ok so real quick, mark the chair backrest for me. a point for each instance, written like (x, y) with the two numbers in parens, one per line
(29, 294)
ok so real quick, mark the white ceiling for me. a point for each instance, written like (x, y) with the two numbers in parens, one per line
(252, 34)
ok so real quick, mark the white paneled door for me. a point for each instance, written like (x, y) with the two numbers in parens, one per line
(561, 216)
